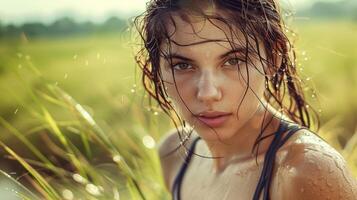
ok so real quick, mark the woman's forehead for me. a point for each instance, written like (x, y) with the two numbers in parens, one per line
(201, 30)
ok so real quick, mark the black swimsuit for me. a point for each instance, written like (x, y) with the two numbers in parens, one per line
(266, 175)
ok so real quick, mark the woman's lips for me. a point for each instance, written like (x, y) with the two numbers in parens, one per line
(214, 121)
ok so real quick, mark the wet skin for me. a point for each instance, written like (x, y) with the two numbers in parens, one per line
(306, 167)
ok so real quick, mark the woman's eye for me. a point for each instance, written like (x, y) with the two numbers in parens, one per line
(233, 61)
(181, 66)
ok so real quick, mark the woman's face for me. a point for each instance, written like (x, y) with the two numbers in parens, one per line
(211, 77)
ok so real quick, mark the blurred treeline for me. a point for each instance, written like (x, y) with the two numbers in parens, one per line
(345, 9)
(63, 27)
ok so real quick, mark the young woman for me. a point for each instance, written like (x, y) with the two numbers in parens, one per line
(225, 70)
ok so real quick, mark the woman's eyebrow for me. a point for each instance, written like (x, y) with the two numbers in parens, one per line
(235, 50)
(178, 56)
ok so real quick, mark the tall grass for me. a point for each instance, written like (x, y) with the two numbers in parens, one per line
(74, 158)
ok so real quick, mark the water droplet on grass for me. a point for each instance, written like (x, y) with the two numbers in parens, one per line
(93, 189)
(78, 178)
(117, 158)
(67, 194)
(148, 142)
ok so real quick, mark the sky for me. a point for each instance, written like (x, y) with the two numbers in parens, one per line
(46, 11)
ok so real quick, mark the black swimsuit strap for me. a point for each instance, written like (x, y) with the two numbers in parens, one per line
(177, 183)
(269, 159)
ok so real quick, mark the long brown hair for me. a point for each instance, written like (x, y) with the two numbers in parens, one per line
(257, 20)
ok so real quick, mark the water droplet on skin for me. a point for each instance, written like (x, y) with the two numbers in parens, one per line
(311, 161)
(314, 182)
(310, 182)
(238, 173)
(302, 189)
(328, 183)
(330, 170)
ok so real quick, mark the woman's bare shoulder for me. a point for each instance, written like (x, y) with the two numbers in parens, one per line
(172, 154)
(312, 169)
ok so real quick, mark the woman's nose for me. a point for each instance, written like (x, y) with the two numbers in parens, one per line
(208, 89)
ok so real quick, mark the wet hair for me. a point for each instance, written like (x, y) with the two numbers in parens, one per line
(257, 20)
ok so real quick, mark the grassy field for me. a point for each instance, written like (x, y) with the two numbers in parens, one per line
(100, 131)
